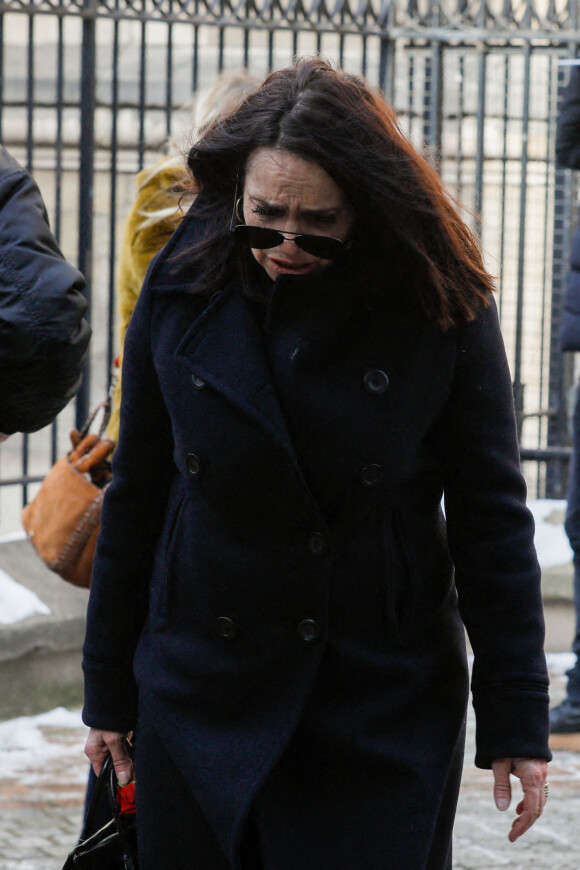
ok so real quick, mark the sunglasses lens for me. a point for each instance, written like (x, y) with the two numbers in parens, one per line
(320, 246)
(258, 237)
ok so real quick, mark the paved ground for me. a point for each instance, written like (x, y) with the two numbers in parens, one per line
(40, 804)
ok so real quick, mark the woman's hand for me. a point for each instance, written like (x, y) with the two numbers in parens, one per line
(532, 773)
(99, 743)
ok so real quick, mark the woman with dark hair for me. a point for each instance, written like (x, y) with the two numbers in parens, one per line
(278, 601)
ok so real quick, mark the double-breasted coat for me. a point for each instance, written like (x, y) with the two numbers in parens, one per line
(276, 597)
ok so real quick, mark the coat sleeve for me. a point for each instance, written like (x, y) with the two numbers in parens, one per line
(133, 510)
(43, 336)
(491, 537)
(568, 125)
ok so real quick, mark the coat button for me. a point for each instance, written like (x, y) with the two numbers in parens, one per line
(308, 630)
(193, 465)
(226, 627)
(370, 475)
(317, 544)
(198, 383)
(376, 381)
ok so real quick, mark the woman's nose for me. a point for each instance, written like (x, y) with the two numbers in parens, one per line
(289, 243)
(288, 239)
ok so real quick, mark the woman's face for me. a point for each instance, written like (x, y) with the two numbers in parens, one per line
(287, 193)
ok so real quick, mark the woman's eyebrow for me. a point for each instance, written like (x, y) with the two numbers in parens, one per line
(264, 202)
(321, 212)
(313, 211)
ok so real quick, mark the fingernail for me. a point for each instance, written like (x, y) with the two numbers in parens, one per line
(123, 777)
(502, 803)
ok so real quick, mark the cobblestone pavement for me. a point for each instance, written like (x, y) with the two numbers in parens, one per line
(43, 773)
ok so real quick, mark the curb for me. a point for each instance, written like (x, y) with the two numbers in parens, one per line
(40, 655)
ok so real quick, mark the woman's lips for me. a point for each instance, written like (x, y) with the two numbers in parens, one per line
(285, 268)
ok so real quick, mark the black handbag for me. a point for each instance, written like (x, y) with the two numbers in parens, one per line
(109, 837)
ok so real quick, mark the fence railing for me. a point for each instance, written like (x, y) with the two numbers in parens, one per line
(90, 91)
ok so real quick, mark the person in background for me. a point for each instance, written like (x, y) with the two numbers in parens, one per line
(278, 602)
(565, 717)
(44, 337)
(164, 192)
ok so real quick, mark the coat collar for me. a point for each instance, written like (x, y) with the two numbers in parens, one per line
(224, 347)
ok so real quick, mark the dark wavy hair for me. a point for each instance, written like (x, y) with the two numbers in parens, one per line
(401, 208)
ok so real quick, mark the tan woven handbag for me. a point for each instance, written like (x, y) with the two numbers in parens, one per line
(64, 518)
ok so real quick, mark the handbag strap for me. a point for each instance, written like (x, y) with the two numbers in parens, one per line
(105, 407)
(96, 802)
(106, 789)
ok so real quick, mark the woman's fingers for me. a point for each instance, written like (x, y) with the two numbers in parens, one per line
(96, 749)
(99, 743)
(502, 790)
(532, 774)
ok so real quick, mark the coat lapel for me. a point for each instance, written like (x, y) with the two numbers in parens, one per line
(224, 347)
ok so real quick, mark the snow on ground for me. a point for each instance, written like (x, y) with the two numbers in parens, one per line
(550, 538)
(17, 601)
(559, 663)
(30, 746)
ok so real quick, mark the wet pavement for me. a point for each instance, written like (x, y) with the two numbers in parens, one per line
(43, 773)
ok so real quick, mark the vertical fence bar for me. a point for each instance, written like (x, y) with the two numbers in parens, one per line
(58, 178)
(142, 93)
(505, 120)
(58, 143)
(387, 67)
(169, 81)
(195, 58)
(87, 180)
(30, 96)
(113, 201)
(433, 102)
(518, 385)
(480, 135)
(460, 122)
(246, 45)
(221, 33)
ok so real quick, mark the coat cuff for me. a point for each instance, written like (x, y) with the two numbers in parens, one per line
(110, 698)
(511, 726)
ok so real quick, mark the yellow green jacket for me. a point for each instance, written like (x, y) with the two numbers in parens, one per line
(153, 217)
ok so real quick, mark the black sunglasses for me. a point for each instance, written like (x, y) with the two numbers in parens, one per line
(325, 247)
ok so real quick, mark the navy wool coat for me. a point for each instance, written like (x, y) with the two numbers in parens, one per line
(278, 602)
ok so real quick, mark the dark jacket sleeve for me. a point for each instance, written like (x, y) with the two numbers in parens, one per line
(568, 125)
(491, 536)
(43, 336)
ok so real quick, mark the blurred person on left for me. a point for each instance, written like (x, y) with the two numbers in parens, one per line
(44, 337)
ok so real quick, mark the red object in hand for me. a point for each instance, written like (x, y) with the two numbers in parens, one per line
(126, 799)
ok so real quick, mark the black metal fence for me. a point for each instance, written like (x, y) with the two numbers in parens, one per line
(90, 91)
